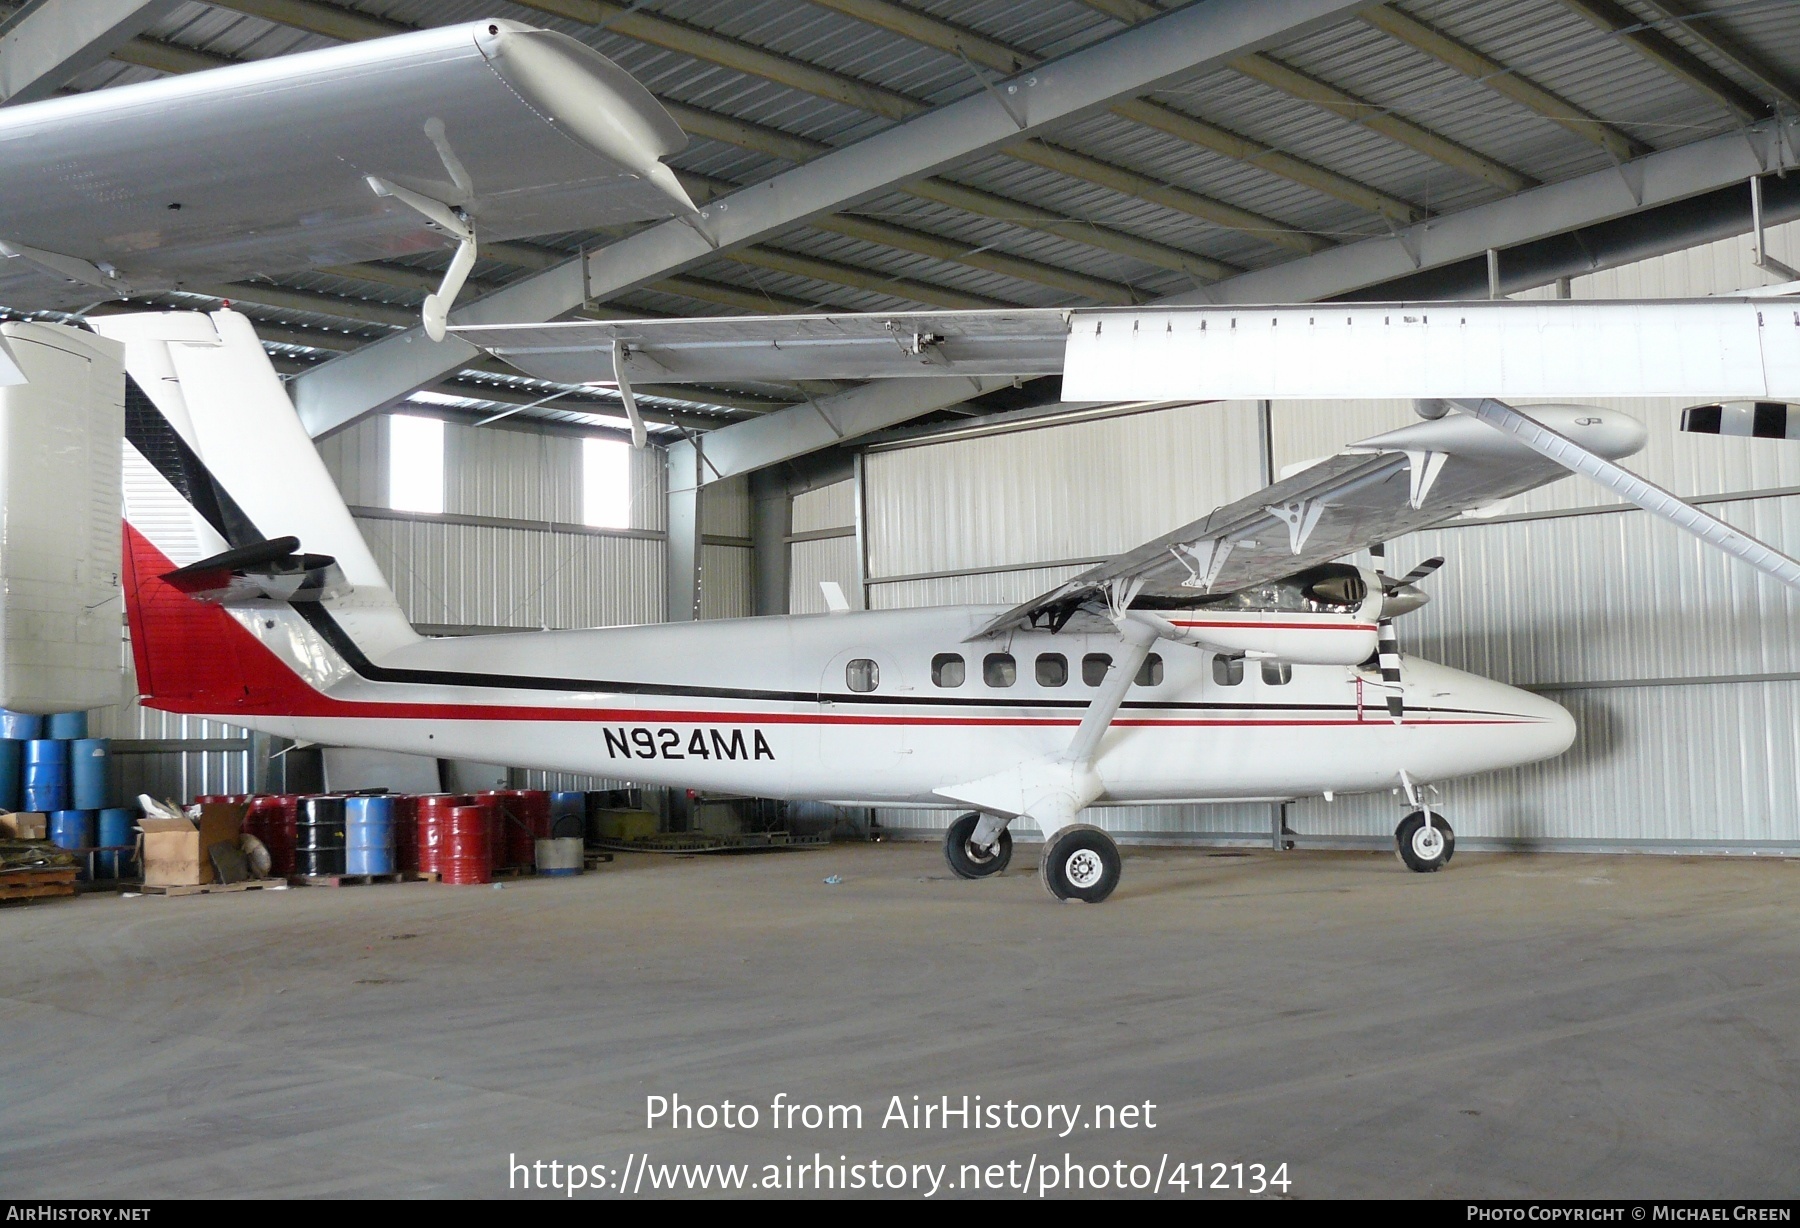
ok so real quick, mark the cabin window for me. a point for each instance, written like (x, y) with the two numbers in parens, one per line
(1150, 673)
(1228, 671)
(999, 669)
(1094, 667)
(862, 675)
(947, 669)
(1052, 669)
(1277, 673)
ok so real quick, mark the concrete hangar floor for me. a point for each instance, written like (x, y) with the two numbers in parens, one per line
(1517, 1025)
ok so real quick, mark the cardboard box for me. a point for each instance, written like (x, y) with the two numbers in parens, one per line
(175, 849)
(25, 825)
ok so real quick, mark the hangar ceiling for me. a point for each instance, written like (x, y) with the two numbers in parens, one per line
(1344, 146)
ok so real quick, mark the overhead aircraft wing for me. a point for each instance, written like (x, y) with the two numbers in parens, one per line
(1372, 491)
(265, 168)
(1700, 348)
(873, 346)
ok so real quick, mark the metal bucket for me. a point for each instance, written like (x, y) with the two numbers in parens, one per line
(560, 856)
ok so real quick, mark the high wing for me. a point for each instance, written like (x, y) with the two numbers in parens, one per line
(781, 348)
(1558, 349)
(266, 168)
(1372, 491)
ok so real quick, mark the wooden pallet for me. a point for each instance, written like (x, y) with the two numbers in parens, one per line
(254, 884)
(37, 884)
(358, 880)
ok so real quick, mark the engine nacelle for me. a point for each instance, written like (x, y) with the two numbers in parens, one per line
(1325, 615)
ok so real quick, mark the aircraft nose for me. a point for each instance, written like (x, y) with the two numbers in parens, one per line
(1554, 731)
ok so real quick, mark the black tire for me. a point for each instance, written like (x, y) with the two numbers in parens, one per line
(1416, 851)
(1080, 862)
(968, 862)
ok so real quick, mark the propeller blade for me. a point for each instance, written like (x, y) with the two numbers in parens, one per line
(1387, 654)
(1421, 571)
(1378, 553)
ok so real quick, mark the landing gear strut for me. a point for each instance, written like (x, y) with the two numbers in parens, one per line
(1080, 862)
(970, 860)
(1424, 841)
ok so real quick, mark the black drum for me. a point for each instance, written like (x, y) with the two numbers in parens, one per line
(319, 836)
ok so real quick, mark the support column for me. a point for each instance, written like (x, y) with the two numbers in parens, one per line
(771, 523)
(684, 533)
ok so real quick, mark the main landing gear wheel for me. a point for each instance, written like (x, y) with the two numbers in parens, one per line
(1424, 848)
(1080, 863)
(967, 861)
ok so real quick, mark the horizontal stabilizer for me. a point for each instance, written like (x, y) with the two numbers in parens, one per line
(272, 570)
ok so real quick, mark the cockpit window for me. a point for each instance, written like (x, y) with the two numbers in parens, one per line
(947, 669)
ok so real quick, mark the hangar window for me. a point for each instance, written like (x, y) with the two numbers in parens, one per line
(1052, 669)
(1150, 673)
(1228, 671)
(606, 483)
(999, 669)
(415, 463)
(862, 675)
(947, 669)
(1277, 673)
(1094, 667)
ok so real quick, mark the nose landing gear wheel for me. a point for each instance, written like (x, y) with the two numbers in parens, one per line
(1424, 848)
(1080, 863)
(967, 861)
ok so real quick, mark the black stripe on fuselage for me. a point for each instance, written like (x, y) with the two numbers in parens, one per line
(162, 446)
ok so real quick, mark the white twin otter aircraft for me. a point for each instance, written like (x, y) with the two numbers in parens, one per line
(1229, 659)
(1233, 658)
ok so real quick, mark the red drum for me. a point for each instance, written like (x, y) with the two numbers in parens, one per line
(270, 818)
(496, 800)
(432, 823)
(468, 848)
(527, 822)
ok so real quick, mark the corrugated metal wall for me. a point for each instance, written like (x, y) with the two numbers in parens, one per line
(813, 558)
(1681, 666)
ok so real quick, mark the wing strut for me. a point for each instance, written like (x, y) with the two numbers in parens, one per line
(1647, 495)
(453, 222)
(1054, 789)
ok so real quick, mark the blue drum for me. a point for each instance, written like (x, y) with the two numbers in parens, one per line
(12, 774)
(368, 835)
(89, 776)
(46, 775)
(113, 830)
(568, 814)
(66, 725)
(20, 726)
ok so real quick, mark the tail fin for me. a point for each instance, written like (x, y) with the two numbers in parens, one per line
(216, 461)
